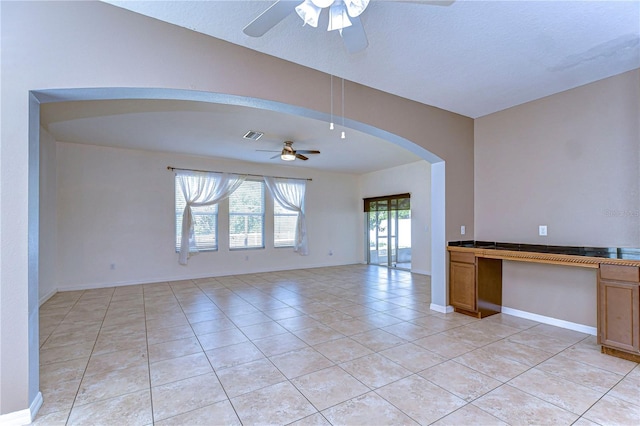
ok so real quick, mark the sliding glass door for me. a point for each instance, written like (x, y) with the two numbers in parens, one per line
(388, 230)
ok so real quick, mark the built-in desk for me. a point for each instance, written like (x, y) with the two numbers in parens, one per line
(475, 284)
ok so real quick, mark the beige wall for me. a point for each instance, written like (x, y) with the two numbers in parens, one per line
(48, 217)
(110, 186)
(570, 161)
(116, 206)
(48, 45)
(448, 135)
(560, 292)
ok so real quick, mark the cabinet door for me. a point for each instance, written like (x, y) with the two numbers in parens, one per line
(619, 315)
(462, 283)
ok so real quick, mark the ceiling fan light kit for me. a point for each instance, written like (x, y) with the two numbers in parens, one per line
(343, 16)
(287, 156)
(290, 154)
(309, 13)
(338, 17)
(356, 7)
(339, 12)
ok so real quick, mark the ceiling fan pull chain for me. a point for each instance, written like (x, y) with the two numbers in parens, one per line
(331, 122)
(342, 135)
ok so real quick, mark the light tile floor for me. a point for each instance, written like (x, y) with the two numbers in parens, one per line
(354, 345)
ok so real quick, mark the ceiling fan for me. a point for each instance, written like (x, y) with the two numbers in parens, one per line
(344, 16)
(290, 154)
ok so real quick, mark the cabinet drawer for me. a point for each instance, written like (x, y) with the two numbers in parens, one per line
(456, 256)
(620, 273)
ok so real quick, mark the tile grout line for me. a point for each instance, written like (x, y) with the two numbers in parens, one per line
(507, 383)
(266, 357)
(259, 294)
(48, 337)
(90, 355)
(61, 321)
(146, 336)
(205, 352)
(290, 380)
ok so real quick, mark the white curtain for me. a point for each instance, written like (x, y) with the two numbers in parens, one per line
(289, 193)
(201, 189)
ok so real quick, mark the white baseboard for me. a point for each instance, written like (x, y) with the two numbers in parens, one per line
(442, 309)
(35, 405)
(47, 296)
(96, 285)
(551, 321)
(22, 417)
(92, 286)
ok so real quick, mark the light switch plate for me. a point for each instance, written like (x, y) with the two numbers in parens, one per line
(463, 230)
(542, 230)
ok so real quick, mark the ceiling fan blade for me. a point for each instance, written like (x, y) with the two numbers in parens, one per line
(269, 18)
(267, 150)
(354, 37)
(275, 156)
(307, 151)
(302, 157)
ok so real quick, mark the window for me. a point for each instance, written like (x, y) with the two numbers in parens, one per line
(205, 223)
(284, 226)
(246, 216)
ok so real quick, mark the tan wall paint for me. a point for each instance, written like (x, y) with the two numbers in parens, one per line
(441, 132)
(88, 44)
(48, 217)
(570, 161)
(117, 206)
(560, 292)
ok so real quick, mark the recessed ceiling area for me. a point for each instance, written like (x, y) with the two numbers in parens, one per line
(217, 130)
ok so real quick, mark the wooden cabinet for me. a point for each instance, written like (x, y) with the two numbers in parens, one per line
(619, 310)
(462, 289)
(475, 284)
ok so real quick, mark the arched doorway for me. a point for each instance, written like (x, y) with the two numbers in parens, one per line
(64, 95)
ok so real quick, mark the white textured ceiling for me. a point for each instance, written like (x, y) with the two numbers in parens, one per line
(472, 57)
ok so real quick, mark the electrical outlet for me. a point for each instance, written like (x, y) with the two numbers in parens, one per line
(542, 230)
(330, 252)
(463, 230)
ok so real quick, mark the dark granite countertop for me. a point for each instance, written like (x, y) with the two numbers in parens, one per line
(603, 252)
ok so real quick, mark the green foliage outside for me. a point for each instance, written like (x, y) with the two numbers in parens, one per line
(376, 218)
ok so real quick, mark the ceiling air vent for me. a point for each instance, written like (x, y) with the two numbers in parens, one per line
(253, 135)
